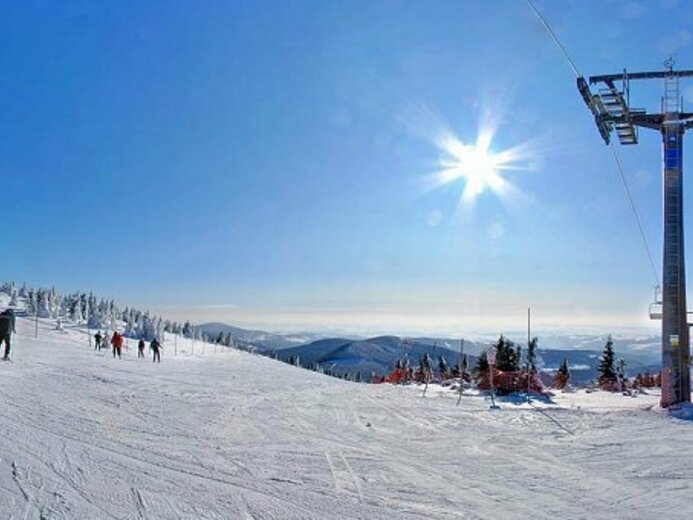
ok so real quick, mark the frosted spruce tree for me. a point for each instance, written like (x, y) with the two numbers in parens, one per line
(621, 374)
(42, 304)
(14, 298)
(443, 367)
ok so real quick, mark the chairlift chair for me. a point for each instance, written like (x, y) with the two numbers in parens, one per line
(656, 310)
(656, 306)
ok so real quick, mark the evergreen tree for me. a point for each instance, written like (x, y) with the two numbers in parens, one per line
(455, 371)
(425, 366)
(187, 330)
(43, 304)
(84, 306)
(75, 310)
(481, 365)
(621, 373)
(425, 362)
(507, 355)
(443, 367)
(562, 376)
(31, 303)
(532, 354)
(607, 373)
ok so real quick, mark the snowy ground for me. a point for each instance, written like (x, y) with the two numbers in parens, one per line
(233, 435)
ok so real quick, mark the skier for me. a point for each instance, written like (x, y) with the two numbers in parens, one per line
(140, 349)
(156, 347)
(6, 330)
(117, 342)
(98, 338)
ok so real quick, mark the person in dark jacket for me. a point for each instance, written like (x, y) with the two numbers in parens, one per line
(156, 347)
(98, 338)
(140, 349)
(6, 330)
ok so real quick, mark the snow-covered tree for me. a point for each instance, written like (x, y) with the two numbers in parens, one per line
(14, 301)
(31, 307)
(443, 367)
(74, 308)
(187, 330)
(621, 373)
(43, 306)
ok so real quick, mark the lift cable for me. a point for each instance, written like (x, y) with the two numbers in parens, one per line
(555, 38)
(636, 213)
(619, 166)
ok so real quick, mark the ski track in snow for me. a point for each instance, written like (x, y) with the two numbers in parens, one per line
(234, 435)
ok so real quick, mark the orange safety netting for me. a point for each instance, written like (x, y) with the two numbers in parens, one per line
(510, 381)
(398, 375)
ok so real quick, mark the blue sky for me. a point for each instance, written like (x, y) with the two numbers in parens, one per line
(264, 163)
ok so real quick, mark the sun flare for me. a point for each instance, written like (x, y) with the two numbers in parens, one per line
(476, 165)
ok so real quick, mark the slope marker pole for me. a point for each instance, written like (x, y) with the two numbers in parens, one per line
(461, 366)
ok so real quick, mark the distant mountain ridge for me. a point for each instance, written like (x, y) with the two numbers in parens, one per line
(378, 354)
(347, 354)
(264, 342)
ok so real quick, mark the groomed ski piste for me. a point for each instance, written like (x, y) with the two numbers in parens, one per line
(231, 435)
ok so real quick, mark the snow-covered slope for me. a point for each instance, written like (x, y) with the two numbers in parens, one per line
(234, 435)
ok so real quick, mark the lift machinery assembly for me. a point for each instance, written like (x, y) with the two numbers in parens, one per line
(612, 112)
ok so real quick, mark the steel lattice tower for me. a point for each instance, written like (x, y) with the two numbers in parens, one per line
(611, 110)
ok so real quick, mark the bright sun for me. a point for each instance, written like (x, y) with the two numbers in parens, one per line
(476, 165)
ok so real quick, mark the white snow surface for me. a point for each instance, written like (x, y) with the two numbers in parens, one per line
(233, 435)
